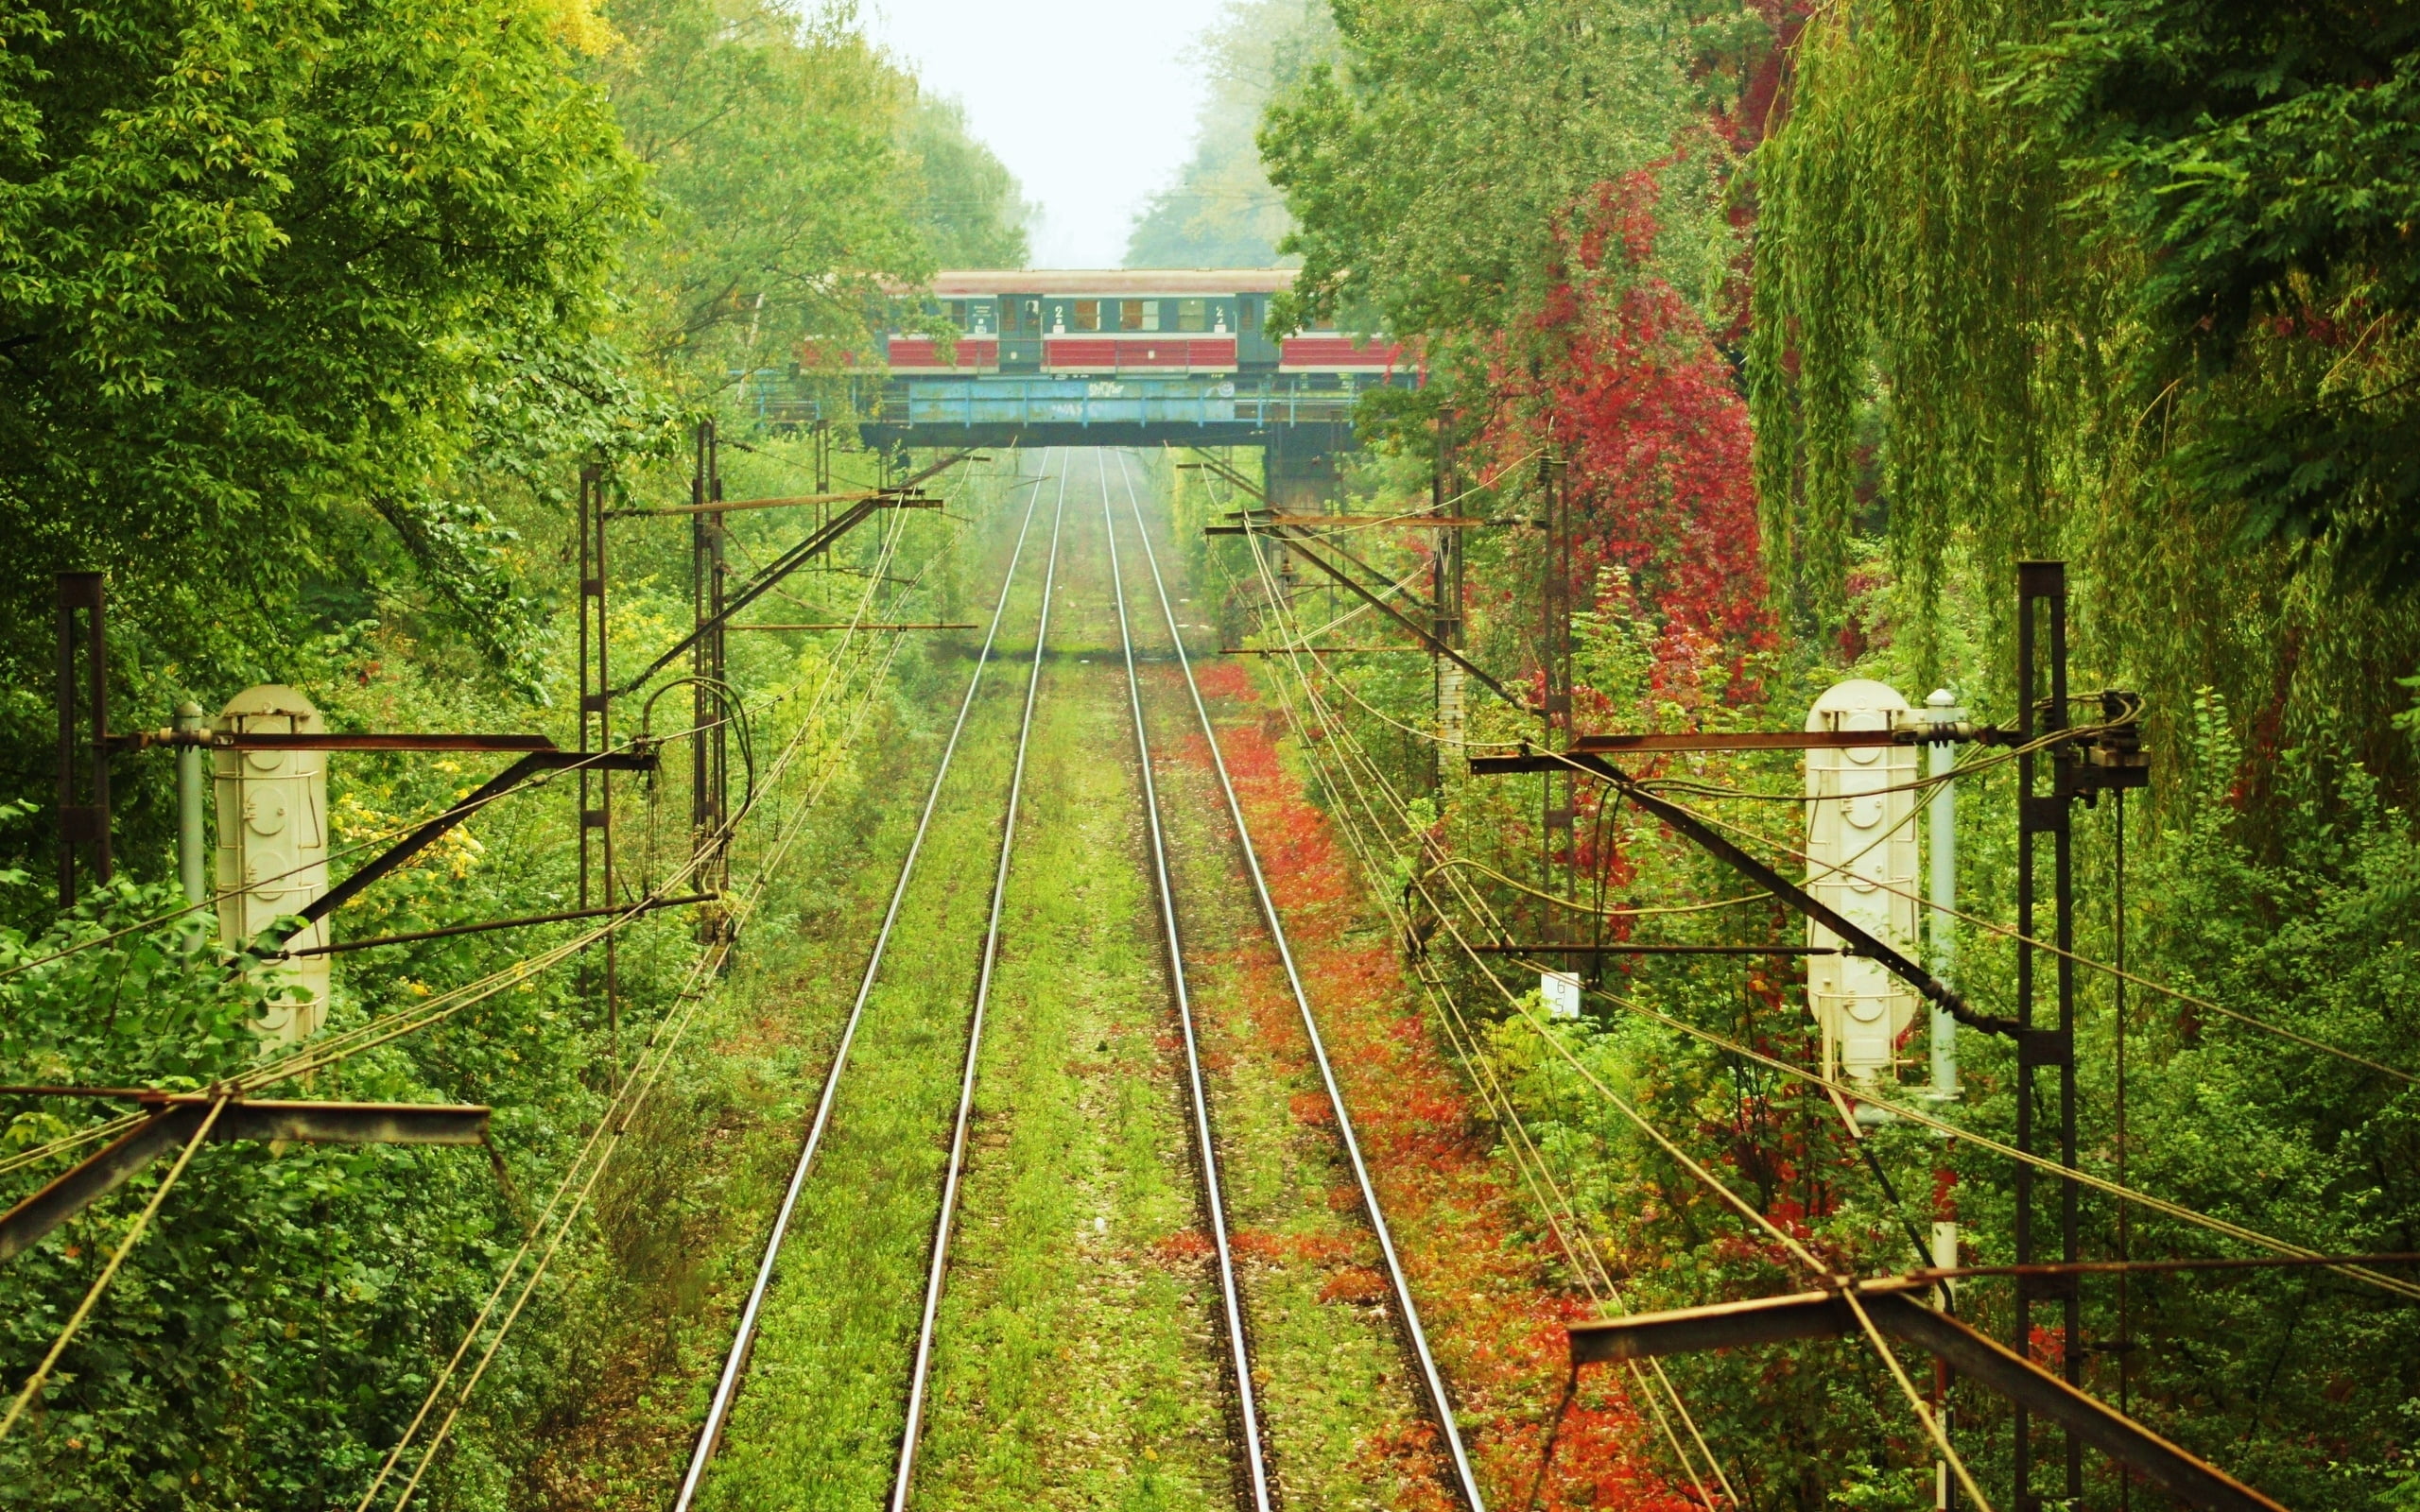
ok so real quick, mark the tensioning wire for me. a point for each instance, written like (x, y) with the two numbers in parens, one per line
(1466, 1480)
(1985, 1142)
(100, 1284)
(1898, 1374)
(1592, 1273)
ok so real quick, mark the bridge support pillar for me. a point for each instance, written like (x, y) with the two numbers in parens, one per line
(1301, 464)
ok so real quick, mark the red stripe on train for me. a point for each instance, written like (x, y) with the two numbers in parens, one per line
(1336, 353)
(1140, 353)
(924, 354)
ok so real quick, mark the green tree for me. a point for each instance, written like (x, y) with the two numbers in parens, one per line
(2262, 158)
(797, 180)
(1223, 210)
(260, 264)
(2124, 284)
(971, 210)
(774, 160)
(1433, 176)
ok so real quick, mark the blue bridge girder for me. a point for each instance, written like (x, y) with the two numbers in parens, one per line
(1026, 409)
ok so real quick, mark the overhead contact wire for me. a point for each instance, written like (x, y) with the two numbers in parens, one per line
(920, 1376)
(1465, 1481)
(1213, 1194)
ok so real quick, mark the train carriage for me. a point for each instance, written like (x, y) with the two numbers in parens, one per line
(1109, 323)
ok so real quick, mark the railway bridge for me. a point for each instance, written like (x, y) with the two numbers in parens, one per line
(1109, 357)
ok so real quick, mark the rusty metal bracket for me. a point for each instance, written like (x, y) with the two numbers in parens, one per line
(634, 759)
(174, 1118)
(1894, 1306)
(1689, 826)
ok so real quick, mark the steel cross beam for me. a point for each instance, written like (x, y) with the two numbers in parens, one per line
(1856, 941)
(1301, 546)
(1893, 1307)
(174, 1118)
(787, 563)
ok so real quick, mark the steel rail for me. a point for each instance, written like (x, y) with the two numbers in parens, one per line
(1214, 1195)
(604, 1140)
(921, 1375)
(1442, 1407)
(744, 1336)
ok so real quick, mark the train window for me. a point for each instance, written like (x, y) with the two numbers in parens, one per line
(956, 310)
(1087, 314)
(1247, 313)
(1150, 315)
(1193, 315)
(1130, 315)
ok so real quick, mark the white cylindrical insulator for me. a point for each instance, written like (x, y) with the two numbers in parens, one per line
(1941, 837)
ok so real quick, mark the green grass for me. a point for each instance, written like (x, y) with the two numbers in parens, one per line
(1078, 1366)
(817, 1422)
(1336, 1389)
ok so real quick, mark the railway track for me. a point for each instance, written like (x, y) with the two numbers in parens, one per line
(1464, 1482)
(839, 1398)
(920, 1379)
(1252, 1450)
(745, 1333)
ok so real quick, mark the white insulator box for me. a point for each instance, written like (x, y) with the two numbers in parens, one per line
(1449, 703)
(273, 842)
(1861, 862)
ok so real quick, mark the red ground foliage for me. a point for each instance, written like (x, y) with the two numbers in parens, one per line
(1493, 1313)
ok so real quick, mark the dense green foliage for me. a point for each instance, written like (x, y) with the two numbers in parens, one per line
(2127, 285)
(1223, 210)
(266, 268)
(795, 175)
(2262, 159)
(310, 314)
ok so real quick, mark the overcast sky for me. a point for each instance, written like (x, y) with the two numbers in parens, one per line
(1089, 102)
